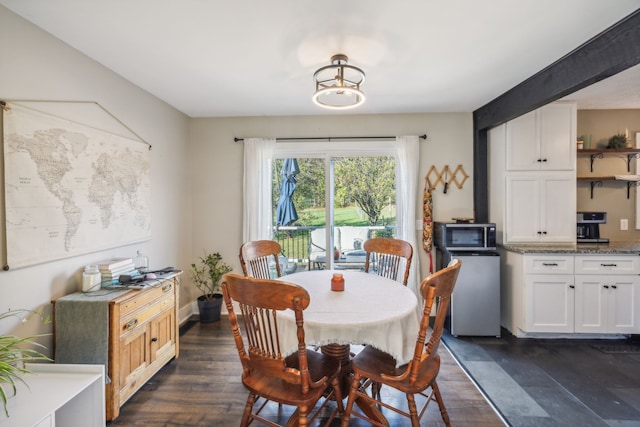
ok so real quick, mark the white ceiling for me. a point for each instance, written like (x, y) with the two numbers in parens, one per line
(212, 58)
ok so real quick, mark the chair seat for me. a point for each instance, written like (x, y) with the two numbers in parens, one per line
(373, 363)
(289, 394)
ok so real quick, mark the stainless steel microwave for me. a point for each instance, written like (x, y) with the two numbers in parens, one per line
(455, 236)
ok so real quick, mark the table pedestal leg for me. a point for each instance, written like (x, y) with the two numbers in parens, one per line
(342, 352)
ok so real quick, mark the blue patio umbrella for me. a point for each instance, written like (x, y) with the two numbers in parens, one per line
(286, 211)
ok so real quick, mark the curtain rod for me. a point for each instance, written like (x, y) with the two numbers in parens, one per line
(329, 138)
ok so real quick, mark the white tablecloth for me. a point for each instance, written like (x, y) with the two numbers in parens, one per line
(371, 310)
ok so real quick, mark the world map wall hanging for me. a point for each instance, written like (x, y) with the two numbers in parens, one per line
(70, 188)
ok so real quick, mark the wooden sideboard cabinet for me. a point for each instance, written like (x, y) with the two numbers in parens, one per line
(142, 330)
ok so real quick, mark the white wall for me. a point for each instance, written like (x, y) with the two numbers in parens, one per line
(36, 66)
(216, 164)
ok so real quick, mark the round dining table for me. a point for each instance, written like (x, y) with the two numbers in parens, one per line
(372, 310)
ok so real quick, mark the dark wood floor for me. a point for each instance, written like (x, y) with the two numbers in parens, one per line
(556, 382)
(202, 388)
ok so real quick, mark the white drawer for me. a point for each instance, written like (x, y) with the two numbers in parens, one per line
(607, 264)
(548, 264)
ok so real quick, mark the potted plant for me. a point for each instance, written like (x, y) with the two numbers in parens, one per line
(617, 142)
(206, 276)
(14, 353)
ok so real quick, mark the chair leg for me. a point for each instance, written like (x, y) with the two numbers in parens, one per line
(337, 394)
(248, 407)
(443, 410)
(375, 390)
(302, 416)
(413, 410)
(355, 383)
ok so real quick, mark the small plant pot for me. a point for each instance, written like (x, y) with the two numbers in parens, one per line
(210, 308)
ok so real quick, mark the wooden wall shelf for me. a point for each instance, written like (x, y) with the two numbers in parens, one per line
(596, 181)
(601, 152)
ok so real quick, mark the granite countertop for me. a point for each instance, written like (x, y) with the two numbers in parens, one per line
(619, 247)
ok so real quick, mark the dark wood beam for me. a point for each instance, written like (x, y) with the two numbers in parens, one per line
(480, 176)
(605, 55)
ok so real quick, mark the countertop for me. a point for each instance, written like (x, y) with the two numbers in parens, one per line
(619, 247)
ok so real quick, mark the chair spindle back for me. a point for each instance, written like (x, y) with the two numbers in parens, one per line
(386, 257)
(257, 256)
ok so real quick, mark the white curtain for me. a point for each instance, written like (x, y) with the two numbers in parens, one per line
(258, 160)
(408, 152)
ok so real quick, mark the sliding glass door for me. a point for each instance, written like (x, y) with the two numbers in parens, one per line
(327, 203)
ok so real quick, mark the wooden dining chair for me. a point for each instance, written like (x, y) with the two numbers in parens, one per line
(384, 257)
(373, 366)
(256, 257)
(300, 379)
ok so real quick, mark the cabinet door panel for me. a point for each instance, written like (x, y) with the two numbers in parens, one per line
(522, 143)
(549, 303)
(558, 218)
(540, 209)
(523, 204)
(623, 304)
(163, 333)
(591, 304)
(134, 354)
(557, 136)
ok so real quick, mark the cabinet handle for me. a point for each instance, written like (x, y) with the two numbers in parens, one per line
(130, 324)
(606, 286)
(154, 339)
(544, 160)
(544, 232)
(550, 264)
(608, 265)
(166, 288)
(614, 287)
(571, 286)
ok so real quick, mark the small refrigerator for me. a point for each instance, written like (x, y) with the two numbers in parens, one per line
(475, 303)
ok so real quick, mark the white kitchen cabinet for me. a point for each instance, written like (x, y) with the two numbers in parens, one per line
(550, 293)
(540, 208)
(548, 283)
(544, 139)
(607, 297)
(549, 303)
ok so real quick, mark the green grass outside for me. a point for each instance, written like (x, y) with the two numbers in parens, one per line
(349, 216)
(343, 216)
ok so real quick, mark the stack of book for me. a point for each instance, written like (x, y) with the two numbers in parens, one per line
(112, 269)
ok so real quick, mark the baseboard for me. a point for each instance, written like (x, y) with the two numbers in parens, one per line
(187, 312)
(577, 336)
(190, 312)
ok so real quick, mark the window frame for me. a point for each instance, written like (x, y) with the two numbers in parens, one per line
(329, 151)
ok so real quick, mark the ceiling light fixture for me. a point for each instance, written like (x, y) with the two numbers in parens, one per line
(338, 85)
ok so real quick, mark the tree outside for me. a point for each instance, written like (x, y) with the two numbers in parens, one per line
(365, 185)
(369, 182)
